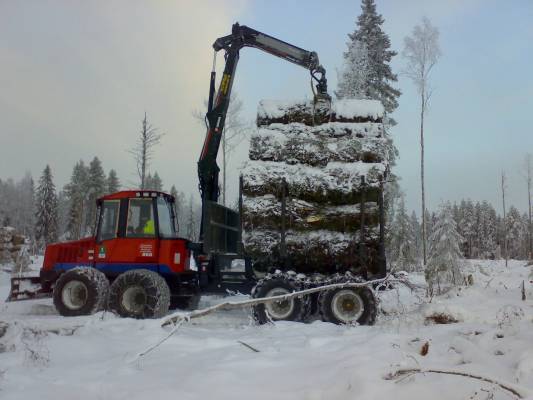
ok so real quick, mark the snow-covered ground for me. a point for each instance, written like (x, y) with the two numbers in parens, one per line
(45, 356)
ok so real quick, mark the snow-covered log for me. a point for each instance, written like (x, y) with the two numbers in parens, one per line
(265, 212)
(315, 148)
(336, 183)
(314, 250)
(309, 113)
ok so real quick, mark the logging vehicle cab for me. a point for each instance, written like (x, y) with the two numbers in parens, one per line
(137, 265)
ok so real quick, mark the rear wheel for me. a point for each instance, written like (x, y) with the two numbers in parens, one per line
(80, 291)
(293, 309)
(139, 294)
(348, 305)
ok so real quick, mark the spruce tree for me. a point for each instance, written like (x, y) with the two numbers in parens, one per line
(76, 193)
(157, 183)
(148, 182)
(444, 251)
(174, 192)
(25, 209)
(354, 77)
(63, 209)
(46, 210)
(403, 240)
(415, 226)
(96, 187)
(112, 182)
(516, 232)
(369, 38)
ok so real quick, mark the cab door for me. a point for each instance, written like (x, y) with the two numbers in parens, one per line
(107, 232)
(140, 236)
(136, 244)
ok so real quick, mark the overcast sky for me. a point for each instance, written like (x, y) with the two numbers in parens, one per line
(77, 76)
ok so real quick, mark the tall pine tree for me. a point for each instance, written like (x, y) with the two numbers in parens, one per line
(112, 182)
(404, 250)
(444, 251)
(76, 193)
(96, 187)
(370, 46)
(354, 76)
(46, 210)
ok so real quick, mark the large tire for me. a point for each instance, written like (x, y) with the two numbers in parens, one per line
(80, 291)
(295, 309)
(346, 306)
(139, 293)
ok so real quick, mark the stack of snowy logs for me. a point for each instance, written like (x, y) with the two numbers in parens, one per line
(332, 160)
(11, 245)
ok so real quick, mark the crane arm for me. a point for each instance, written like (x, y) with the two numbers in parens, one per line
(242, 36)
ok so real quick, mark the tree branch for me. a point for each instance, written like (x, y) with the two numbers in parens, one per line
(400, 374)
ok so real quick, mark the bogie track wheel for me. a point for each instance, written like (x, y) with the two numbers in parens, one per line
(293, 309)
(348, 306)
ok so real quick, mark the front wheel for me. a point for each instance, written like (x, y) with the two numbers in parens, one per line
(80, 291)
(139, 293)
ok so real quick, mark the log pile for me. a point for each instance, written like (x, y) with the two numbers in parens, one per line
(321, 164)
(11, 245)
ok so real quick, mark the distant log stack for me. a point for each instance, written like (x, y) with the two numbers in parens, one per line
(11, 245)
(312, 186)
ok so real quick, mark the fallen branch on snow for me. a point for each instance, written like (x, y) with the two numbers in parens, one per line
(177, 319)
(248, 346)
(401, 374)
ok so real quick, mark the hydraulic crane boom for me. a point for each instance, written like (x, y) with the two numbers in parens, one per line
(242, 36)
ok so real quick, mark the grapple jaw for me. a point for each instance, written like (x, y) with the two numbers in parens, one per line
(27, 287)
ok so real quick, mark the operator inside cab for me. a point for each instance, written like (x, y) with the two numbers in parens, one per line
(140, 218)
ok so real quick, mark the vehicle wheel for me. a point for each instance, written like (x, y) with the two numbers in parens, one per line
(295, 309)
(348, 306)
(80, 291)
(139, 293)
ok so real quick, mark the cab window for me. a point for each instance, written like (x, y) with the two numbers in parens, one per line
(167, 225)
(141, 221)
(108, 220)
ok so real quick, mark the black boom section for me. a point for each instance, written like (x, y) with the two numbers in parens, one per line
(222, 229)
(241, 36)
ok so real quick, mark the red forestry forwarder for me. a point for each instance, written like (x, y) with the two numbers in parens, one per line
(137, 266)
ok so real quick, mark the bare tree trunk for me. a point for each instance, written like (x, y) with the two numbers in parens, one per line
(144, 152)
(504, 221)
(424, 238)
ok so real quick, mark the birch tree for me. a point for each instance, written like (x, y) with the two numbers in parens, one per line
(421, 52)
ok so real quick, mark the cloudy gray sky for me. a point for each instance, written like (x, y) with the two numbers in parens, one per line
(77, 76)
